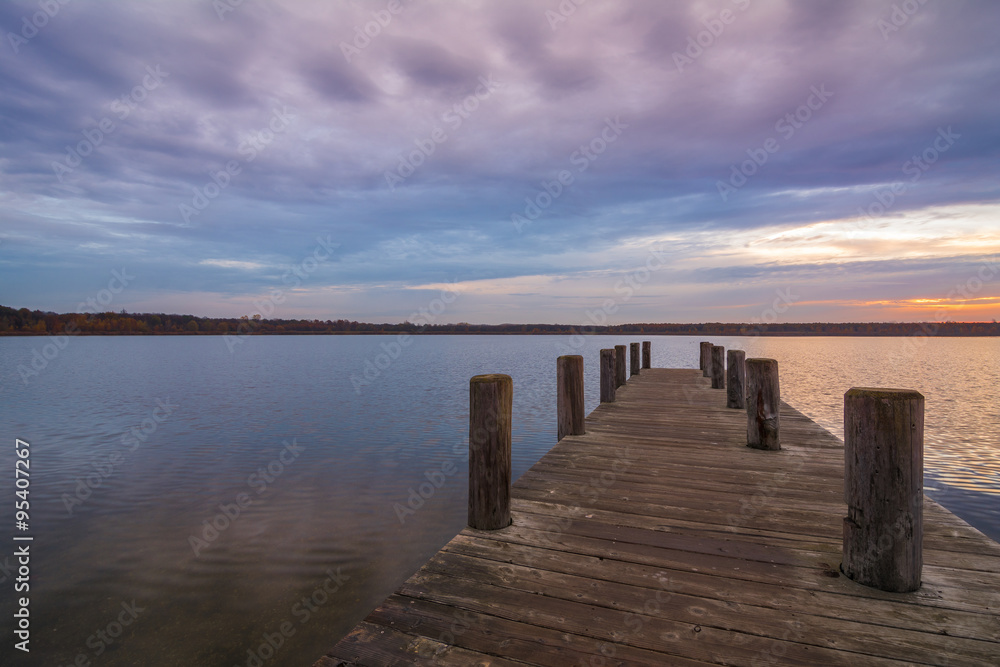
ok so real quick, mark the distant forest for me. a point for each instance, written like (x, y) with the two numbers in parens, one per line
(26, 322)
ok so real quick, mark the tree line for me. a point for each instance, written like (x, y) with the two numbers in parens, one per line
(39, 323)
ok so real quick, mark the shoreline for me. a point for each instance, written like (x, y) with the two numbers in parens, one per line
(568, 332)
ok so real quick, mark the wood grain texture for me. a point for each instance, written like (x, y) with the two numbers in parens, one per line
(647, 353)
(608, 380)
(570, 411)
(633, 354)
(884, 487)
(621, 365)
(718, 373)
(736, 379)
(705, 360)
(659, 538)
(763, 399)
(490, 403)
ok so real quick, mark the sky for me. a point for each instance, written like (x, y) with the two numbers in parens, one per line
(574, 162)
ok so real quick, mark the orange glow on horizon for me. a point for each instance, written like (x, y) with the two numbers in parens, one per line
(920, 309)
(981, 302)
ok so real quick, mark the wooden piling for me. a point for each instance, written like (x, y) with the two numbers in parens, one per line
(763, 400)
(718, 367)
(608, 380)
(647, 353)
(736, 379)
(706, 358)
(633, 351)
(654, 541)
(569, 395)
(620, 367)
(884, 488)
(490, 402)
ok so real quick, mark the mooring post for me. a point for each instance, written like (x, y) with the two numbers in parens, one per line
(569, 395)
(608, 382)
(620, 365)
(646, 353)
(706, 359)
(718, 367)
(763, 403)
(490, 402)
(633, 356)
(884, 488)
(736, 379)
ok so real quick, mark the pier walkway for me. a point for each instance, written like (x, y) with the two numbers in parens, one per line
(659, 538)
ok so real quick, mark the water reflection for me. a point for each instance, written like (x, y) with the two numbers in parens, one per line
(334, 507)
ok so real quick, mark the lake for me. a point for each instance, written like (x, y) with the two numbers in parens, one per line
(196, 505)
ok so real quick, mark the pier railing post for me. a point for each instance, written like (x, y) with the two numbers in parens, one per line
(490, 402)
(569, 395)
(706, 358)
(763, 404)
(646, 353)
(736, 379)
(633, 352)
(608, 382)
(620, 365)
(718, 367)
(884, 488)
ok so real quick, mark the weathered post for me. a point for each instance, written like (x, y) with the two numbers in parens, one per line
(490, 402)
(718, 367)
(569, 395)
(620, 367)
(706, 358)
(608, 380)
(633, 352)
(884, 487)
(736, 376)
(763, 403)
(646, 353)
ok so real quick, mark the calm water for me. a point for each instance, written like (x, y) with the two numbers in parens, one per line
(138, 442)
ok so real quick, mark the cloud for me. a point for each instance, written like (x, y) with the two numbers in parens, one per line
(232, 264)
(811, 209)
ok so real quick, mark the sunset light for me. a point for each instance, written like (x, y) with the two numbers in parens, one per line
(499, 332)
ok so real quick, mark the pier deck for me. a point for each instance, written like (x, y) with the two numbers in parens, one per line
(659, 538)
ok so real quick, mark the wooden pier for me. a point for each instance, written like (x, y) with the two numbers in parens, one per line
(660, 538)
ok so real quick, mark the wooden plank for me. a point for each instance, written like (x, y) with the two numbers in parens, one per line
(376, 644)
(694, 639)
(492, 634)
(747, 615)
(815, 575)
(658, 537)
(769, 594)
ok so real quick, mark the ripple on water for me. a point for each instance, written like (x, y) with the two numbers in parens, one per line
(336, 504)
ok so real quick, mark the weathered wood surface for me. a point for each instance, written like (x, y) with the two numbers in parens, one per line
(633, 352)
(705, 358)
(884, 487)
(490, 405)
(570, 411)
(763, 404)
(647, 353)
(621, 367)
(736, 379)
(659, 538)
(718, 373)
(609, 381)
